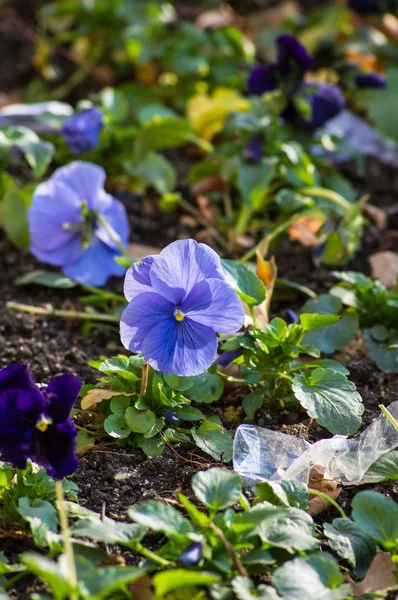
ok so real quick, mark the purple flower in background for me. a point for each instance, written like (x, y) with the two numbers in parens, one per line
(288, 70)
(65, 224)
(192, 555)
(228, 356)
(370, 80)
(326, 102)
(178, 302)
(254, 149)
(35, 423)
(81, 131)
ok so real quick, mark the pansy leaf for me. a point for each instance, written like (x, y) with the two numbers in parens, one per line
(316, 576)
(334, 336)
(42, 518)
(244, 589)
(108, 531)
(188, 413)
(120, 366)
(163, 132)
(246, 283)
(46, 279)
(139, 421)
(162, 517)
(15, 203)
(116, 427)
(153, 446)
(316, 321)
(217, 488)
(351, 544)
(381, 344)
(331, 399)
(252, 402)
(384, 469)
(294, 532)
(253, 180)
(168, 581)
(377, 516)
(53, 573)
(213, 439)
(155, 170)
(207, 388)
(283, 493)
(105, 582)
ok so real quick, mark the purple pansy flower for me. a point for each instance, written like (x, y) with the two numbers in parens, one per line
(326, 101)
(81, 131)
(178, 301)
(370, 80)
(35, 423)
(254, 149)
(64, 224)
(192, 555)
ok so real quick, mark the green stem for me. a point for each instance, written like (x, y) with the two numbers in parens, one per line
(113, 235)
(10, 582)
(151, 555)
(66, 314)
(244, 217)
(102, 292)
(389, 416)
(328, 195)
(329, 499)
(68, 547)
(253, 316)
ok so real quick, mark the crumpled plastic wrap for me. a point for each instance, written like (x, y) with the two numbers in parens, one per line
(264, 455)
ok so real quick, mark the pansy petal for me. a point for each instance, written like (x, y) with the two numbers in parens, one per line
(262, 78)
(180, 266)
(18, 410)
(96, 264)
(116, 217)
(291, 52)
(81, 131)
(184, 348)
(58, 450)
(86, 180)
(18, 377)
(326, 102)
(137, 278)
(63, 392)
(370, 80)
(215, 304)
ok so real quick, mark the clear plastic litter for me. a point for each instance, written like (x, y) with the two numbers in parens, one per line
(264, 455)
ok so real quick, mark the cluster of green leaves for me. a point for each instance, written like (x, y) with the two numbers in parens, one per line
(236, 546)
(27, 502)
(363, 304)
(288, 182)
(272, 365)
(162, 413)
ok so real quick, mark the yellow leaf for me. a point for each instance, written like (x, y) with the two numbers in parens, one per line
(207, 113)
(95, 396)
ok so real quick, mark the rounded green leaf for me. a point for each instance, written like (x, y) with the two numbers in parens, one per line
(217, 488)
(139, 421)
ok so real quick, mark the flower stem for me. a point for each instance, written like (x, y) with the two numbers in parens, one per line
(329, 499)
(328, 195)
(138, 547)
(389, 416)
(66, 314)
(68, 547)
(144, 380)
(115, 237)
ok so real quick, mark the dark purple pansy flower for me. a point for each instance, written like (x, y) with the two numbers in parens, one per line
(35, 423)
(227, 357)
(170, 417)
(288, 70)
(254, 149)
(178, 302)
(81, 131)
(64, 224)
(290, 315)
(326, 102)
(370, 80)
(192, 555)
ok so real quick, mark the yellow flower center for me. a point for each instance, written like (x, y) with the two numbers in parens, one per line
(178, 315)
(43, 422)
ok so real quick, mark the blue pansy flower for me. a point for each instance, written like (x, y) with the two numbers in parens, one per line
(253, 150)
(65, 224)
(287, 74)
(192, 555)
(35, 423)
(178, 302)
(81, 131)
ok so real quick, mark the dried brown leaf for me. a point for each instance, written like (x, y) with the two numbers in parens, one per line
(95, 396)
(384, 266)
(379, 578)
(304, 230)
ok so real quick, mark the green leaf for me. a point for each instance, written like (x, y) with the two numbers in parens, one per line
(315, 321)
(119, 404)
(377, 516)
(53, 573)
(245, 283)
(331, 399)
(381, 105)
(316, 576)
(217, 488)
(153, 446)
(188, 413)
(160, 517)
(328, 363)
(334, 337)
(213, 439)
(116, 427)
(381, 350)
(283, 493)
(292, 533)
(15, 203)
(46, 279)
(182, 384)
(115, 104)
(206, 388)
(252, 402)
(120, 366)
(151, 111)
(384, 469)
(108, 531)
(42, 518)
(173, 579)
(154, 169)
(351, 544)
(38, 154)
(244, 590)
(110, 580)
(253, 180)
(161, 133)
(139, 421)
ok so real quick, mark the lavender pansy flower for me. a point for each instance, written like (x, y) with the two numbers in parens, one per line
(81, 131)
(192, 555)
(35, 423)
(65, 224)
(178, 301)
